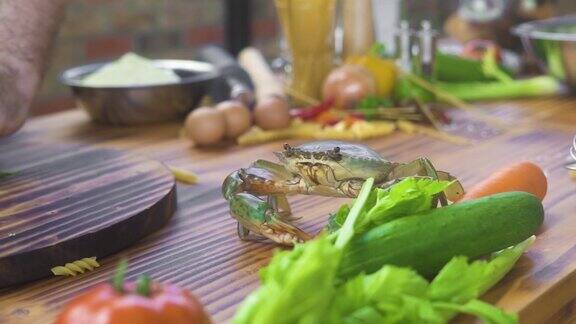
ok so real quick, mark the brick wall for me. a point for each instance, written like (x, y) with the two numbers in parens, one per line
(96, 30)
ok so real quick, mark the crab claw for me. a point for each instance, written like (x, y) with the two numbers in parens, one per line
(256, 215)
(232, 185)
(455, 191)
(283, 233)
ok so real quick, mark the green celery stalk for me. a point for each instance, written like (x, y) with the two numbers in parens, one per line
(347, 230)
(501, 263)
(536, 86)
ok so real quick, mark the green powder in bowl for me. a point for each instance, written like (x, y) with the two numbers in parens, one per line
(130, 70)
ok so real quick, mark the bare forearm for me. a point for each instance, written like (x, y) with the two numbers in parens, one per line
(27, 30)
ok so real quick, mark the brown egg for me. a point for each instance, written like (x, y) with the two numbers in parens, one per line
(272, 113)
(205, 126)
(238, 117)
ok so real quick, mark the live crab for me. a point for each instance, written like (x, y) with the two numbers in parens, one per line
(257, 194)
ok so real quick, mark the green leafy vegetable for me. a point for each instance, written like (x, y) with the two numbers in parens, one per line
(379, 49)
(408, 197)
(336, 220)
(460, 281)
(297, 286)
(370, 106)
(455, 68)
(536, 86)
(488, 313)
(490, 67)
(373, 102)
(498, 84)
(554, 57)
(406, 91)
(302, 288)
(348, 229)
(302, 285)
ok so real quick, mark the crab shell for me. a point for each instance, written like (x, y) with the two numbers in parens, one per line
(347, 160)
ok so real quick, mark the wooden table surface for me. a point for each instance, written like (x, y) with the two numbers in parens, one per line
(199, 249)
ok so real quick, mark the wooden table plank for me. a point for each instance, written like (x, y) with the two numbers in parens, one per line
(199, 249)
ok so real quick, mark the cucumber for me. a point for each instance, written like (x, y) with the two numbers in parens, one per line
(427, 241)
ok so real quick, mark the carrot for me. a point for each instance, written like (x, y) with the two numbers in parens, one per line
(523, 176)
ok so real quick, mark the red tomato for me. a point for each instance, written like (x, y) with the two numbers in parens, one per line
(105, 305)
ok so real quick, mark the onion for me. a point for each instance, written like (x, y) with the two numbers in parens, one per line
(348, 85)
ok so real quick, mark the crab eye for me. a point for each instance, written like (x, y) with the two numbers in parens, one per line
(287, 147)
(335, 154)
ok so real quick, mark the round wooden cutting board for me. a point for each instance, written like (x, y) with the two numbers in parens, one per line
(61, 203)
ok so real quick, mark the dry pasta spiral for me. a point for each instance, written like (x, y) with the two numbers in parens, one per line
(76, 267)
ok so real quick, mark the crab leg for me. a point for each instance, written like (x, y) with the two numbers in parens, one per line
(278, 201)
(255, 215)
(455, 191)
(263, 218)
(280, 204)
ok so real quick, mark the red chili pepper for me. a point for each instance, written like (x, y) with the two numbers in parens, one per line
(327, 118)
(357, 115)
(350, 120)
(312, 111)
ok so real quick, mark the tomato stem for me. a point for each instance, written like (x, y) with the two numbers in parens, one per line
(143, 286)
(119, 275)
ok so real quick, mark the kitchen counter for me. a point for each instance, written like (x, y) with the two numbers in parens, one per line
(199, 249)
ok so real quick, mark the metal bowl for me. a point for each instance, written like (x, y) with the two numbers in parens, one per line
(132, 105)
(552, 42)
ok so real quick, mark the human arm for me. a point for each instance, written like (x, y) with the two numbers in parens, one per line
(27, 31)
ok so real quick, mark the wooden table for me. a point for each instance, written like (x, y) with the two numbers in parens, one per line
(199, 249)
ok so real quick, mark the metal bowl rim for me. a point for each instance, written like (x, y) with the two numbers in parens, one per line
(207, 72)
(531, 29)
